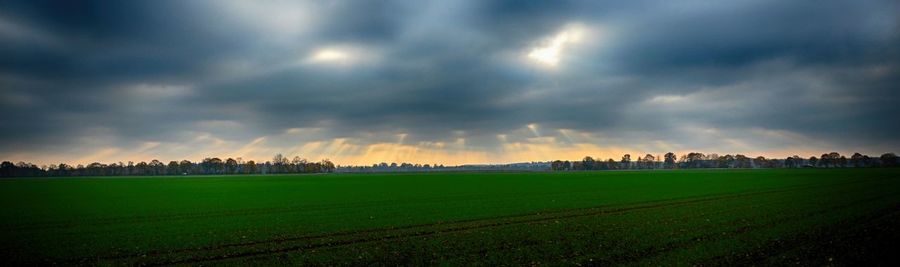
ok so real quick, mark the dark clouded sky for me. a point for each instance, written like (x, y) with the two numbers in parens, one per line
(449, 82)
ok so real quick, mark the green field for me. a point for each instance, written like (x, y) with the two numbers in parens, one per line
(708, 217)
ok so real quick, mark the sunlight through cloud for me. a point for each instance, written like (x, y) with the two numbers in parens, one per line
(341, 56)
(330, 55)
(550, 52)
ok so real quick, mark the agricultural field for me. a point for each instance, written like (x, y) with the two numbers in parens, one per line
(703, 217)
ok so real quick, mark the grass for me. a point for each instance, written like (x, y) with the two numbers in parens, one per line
(623, 218)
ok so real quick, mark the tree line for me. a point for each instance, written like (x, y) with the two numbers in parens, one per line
(696, 160)
(415, 167)
(278, 165)
(282, 165)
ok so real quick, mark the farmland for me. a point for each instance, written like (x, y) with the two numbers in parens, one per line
(710, 217)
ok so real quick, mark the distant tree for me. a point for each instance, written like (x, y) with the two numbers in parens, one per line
(8, 169)
(813, 161)
(129, 169)
(626, 161)
(856, 160)
(231, 166)
(793, 162)
(889, 160)
(555, 165)
(279, 163)
(327, 165)
(63, 169)
(670, 160)
(185, 166)
(20, 169)
(761, 162)
(741, 161)
(830, 160)
(172, 168)
(867, 161)
(611, 164)
(649, 161)
(142, 168)
(300, 164)
(157, 167)
(120, 169)
(834, 158)
(250, 167)
(694, 159)
(726, 161)
(577, 166)
(212, 166)
(587, 163)
(825, 160)
(94, 169)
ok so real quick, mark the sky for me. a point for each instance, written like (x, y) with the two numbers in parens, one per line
(448, 82)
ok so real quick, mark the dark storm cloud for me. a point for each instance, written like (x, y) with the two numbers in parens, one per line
(732, 35)
(167, 71)
(116, 41)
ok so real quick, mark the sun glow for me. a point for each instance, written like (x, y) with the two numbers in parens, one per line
(550, 52)
(329, 55)
(344, 55)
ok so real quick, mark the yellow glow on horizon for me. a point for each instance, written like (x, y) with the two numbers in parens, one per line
(344, 152)
(516, 146)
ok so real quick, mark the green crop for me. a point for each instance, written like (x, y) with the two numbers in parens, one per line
(612, 217)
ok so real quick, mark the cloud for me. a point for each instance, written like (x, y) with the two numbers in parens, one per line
(460, 81)
(151, 92)
(14, 32)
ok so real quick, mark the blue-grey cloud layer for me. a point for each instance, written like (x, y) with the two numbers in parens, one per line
(819, 70)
